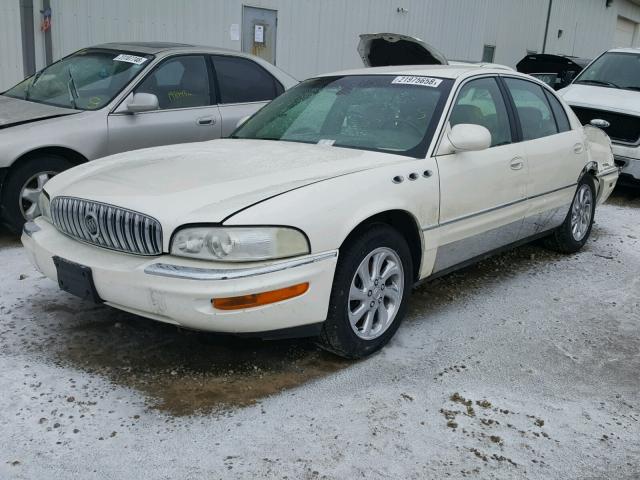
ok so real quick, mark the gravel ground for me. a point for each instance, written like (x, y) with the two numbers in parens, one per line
(525, 366)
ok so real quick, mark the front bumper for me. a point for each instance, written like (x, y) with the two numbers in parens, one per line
(179, 291)
(628, 159)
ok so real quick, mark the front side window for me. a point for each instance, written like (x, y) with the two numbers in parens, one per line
(386, 113)
(180, 82)
(242, 80)
(532, 107)
(86, 80)
(615, 70)
(480, 102)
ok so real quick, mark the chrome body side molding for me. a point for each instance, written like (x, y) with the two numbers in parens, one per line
(212, 274)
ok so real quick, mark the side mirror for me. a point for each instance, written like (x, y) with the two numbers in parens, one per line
(467, 137)
(142, 102)
(242, 120)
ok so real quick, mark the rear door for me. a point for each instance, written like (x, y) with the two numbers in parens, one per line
(244, 88)
(483, 193)
(187, 108)
(555, 153)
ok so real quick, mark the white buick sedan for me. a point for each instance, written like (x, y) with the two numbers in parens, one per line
(326, 207)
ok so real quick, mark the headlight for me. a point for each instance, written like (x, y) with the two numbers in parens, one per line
(239, 244)
(44, 205)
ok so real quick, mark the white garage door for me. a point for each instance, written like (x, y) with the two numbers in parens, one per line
(625, 29)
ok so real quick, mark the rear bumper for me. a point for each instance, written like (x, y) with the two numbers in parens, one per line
(138, 285)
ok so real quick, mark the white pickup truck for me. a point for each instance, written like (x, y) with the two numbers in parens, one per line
(607, 94)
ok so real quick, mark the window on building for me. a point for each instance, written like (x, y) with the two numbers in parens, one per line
(488, 53)
(242, 80)
(180, 82)
(480, 102)
(534, 111)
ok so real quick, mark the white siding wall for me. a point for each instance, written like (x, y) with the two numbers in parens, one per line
(10, 44)
(321, 35)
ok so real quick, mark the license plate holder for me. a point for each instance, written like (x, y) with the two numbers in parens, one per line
(76, 279)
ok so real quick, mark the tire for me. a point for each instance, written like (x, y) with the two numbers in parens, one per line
(26, 175)
(567, 238)
(386, 245)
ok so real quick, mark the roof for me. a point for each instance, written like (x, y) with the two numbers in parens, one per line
(152, 48)
(626, 50)
(442, 71)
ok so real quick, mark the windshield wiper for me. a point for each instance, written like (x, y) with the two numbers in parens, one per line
(632, 88)
(73, 91)
(599, 82)
(27, 91)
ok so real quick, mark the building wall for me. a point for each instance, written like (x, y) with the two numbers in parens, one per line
(10, 43)
(321, 35)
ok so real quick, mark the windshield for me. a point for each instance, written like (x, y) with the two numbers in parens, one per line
(387, 113)
(613, 69)
(86, 80)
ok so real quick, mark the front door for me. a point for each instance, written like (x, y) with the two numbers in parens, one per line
(482, 193)
(259, 27)
(187, 108)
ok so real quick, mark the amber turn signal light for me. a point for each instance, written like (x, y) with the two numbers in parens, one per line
(258, 299)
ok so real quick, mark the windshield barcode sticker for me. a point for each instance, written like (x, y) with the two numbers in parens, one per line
(422, 81)
(130, 59)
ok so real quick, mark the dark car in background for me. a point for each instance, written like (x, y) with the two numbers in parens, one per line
(557, 71)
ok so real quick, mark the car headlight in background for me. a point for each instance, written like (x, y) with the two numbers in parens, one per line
(239, 244)
(44, 205)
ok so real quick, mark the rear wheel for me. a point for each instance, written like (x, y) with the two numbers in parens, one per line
(576, 228)
(370, 291)
(24, 185)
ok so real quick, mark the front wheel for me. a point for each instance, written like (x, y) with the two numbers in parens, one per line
(576, 228)
(24, 185)
(370, 292)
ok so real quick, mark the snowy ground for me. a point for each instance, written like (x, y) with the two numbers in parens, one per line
(526, 366)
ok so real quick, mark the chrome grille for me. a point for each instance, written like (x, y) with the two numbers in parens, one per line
(107, 226)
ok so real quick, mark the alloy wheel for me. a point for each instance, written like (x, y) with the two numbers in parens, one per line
(375, 293)
(30, 192)
(581, 212)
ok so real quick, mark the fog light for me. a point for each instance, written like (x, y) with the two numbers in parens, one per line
(258, 299)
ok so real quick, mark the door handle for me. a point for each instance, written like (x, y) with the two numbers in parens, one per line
(206, 121)
(578, 148)
(516, 164)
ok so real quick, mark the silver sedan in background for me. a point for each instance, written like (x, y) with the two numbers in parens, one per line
(117, 97)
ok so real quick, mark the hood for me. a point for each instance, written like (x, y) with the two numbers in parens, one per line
(387, 49)
(602, 98)
(209, 181)
(14, 111)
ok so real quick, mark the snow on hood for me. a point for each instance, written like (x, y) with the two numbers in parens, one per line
(387, 49)
(14, 111)
(209, 181)
(602, 98)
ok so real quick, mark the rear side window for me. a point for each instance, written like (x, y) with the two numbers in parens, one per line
(558, 112)
(532, 106)
(241, 80)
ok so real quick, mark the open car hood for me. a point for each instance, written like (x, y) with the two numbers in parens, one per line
(386, 49)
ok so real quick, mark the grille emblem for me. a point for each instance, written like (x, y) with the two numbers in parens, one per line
(91, 223)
